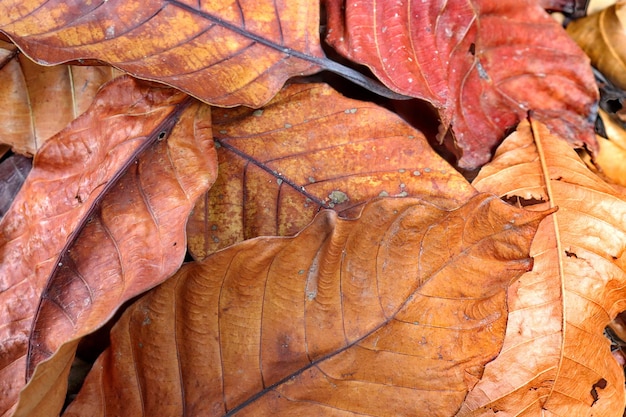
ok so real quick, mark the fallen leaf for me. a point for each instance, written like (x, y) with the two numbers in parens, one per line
(484, 64)
(555, 359)
(223, 53)
(392, 314)
(71, 174)
(612, 153)
(36, 102)
(602, 36)
(311, 148)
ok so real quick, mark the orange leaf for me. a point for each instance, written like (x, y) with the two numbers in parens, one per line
(483, 63)
(392, 314)
(311, 148)
(555, 359)
(71, 175)
(220, 52)
(37, 102)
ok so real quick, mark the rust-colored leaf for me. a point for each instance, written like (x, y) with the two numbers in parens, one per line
(555, 360)
(311, 148)
(602, 36)
(71, 174)
(222, 52)
(391, 314)
(37, 102)
(484, 64)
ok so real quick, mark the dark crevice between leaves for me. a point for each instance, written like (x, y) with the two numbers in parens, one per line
(520, 202)
(14, 169)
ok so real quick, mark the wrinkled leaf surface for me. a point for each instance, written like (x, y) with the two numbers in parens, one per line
(70, 174)
(555, 360)
(311, 148)
(392, 314)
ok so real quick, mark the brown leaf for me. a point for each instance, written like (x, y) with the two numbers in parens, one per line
(602, 36)
(37, 102)
(555, 359)
(393, 314)
(611, 156)
(218, 51)
(311, 148)
(484, 64)
(71, 174)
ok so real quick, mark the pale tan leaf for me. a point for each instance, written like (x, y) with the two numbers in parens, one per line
(555, 360)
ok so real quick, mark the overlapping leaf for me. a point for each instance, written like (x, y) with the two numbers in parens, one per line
(602, 36)
(223, 52)
(37, 102)
(555, 359)
(72, 173)
(392, 314)
(482, 63)
(308, 149)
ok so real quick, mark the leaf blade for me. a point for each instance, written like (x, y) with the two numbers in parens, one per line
(308, 334)
(570, 296)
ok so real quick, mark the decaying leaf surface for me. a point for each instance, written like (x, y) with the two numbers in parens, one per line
(311, 148)
(222, 52)
(391, 314)
(70, 174)
(37, 102)
(134, 241)
(482, 63)
(555, 360)
(602, 36)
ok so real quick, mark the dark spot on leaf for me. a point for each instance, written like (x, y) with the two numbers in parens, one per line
(601, 384)
(571, 254)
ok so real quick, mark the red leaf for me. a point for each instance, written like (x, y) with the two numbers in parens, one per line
(484, 64)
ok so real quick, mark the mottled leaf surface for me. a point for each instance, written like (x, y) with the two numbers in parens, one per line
(311, 148)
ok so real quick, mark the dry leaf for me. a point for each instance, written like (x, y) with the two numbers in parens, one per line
(71, 174)
(393, 314)
(611, 157)
(602, 36)
(484, 64)
(555, 360)
(311, 148)
(37, 102)
(218, 51)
